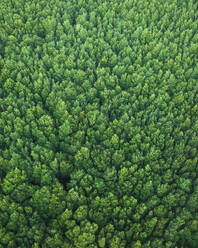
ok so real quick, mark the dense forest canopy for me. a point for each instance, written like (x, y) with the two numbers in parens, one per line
(98, 123)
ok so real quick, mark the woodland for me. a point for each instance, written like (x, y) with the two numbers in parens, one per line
(98, 124)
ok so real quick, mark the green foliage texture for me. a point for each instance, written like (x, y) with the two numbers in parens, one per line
(98, 123)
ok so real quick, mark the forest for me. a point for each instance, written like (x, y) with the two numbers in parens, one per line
(98, 124)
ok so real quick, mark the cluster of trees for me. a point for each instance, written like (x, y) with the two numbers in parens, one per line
(98, 123)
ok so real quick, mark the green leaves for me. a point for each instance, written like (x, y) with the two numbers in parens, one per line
(81, 213)
(98, 124)
(65, 218)
(64, 130)
(117, 158)
(163, 189)
(13, 179)
(153, 154)
(92, 116)
(49, 204)
(82, 158)
(185, 184)
(46, 124)
(60, 112)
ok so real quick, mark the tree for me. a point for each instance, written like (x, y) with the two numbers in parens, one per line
(98, 124)
(64, 130)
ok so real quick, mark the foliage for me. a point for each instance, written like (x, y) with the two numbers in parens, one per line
(98, 123)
